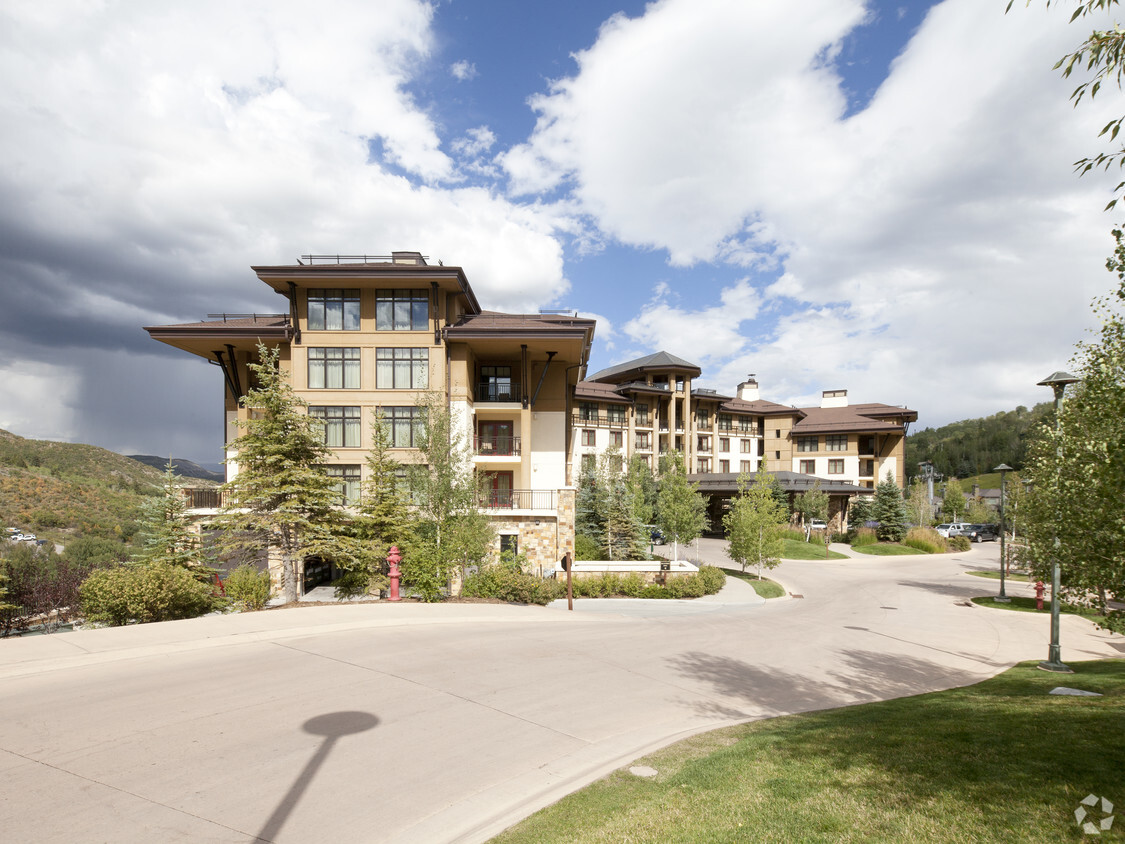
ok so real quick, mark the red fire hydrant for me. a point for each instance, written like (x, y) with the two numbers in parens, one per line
(393, 559)
(1039, 589)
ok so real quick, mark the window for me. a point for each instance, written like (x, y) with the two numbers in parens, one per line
(402, 310)
(615, 415)
(495, 384)
(836, 467)
(836, 442)
(589, 463)
(405, 425)
(333, 310)
(777, 455)
(587, 436)
(807, 443)
(745, 425)
(744, 467)
(726, 422)
(724, 443)
(703, 443)
(703, 464)
(341, 425)
(777, 433)
(347, 482)
(402, 369)
(642, 414)
(509, 542)
(724, 466)
(704, 417)
(588, 412)
(617, 439)
(744, 446)
(808, 467)
(616, 463)
(333, 369)
(644, 442)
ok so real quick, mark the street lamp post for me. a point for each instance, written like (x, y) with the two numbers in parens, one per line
(1058, 382)
(1002, 598)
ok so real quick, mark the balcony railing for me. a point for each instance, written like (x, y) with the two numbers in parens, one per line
(596, 420)
(204, 498)
(643, 445)
(496, 446)
(518, 499)
(498, 392)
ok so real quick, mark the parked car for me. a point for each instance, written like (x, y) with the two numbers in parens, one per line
(817, 524)
(982, 533)
(943, 530)
(959, 529)
(655, 534)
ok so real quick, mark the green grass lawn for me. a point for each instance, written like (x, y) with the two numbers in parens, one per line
(1018, 604)
(886, 549)
(765, 587)
(1000, 761)
(795, 549)
(1023, 577)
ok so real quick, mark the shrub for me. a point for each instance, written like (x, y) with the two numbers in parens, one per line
(959, 543)
(713, 578)
(708, 581)
(509, 583)
(794, 534)
(926, 539)
(864, 536)
(248, 587)
(586, 548)
(142, 594)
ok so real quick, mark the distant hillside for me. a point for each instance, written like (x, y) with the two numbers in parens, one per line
(183, 468)
(69, 488)
(977, 446)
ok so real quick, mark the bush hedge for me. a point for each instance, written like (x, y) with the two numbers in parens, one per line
(142, 594)
(707, 581)
(959, 543)
(507, 583)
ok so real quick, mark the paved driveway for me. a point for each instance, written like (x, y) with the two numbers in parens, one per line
(447, 723)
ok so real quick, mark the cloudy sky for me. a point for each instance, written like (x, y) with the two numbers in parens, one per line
(875, 196)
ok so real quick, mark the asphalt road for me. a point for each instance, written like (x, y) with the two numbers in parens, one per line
(413, 723)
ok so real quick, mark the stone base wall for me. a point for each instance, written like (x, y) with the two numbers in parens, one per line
(544, 540)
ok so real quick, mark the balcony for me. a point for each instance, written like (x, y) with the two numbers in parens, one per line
(498, 391)
(595, 420)
(204, 498)
(642, 444)
(518, 499)
(496, 446)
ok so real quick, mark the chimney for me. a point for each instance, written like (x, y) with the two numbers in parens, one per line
(408, 258)
(834, 398)
(748, 389)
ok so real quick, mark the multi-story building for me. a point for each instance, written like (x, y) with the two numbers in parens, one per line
(648, 407)
(364, 336)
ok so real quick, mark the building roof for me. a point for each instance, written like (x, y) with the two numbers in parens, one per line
(866, 418)
(202, 338)
(595, 391)
(760, 407)
(657, 361)
(789, 481)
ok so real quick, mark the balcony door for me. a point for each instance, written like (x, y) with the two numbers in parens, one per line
(496, 384)
(500, 489)
(496, 438)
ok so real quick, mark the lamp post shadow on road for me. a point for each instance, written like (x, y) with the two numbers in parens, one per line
(331, 726)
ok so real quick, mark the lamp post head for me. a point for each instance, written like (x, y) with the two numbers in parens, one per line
(1002, 468)
(1058, 381)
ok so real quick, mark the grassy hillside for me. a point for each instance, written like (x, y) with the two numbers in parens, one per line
(67, 489)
